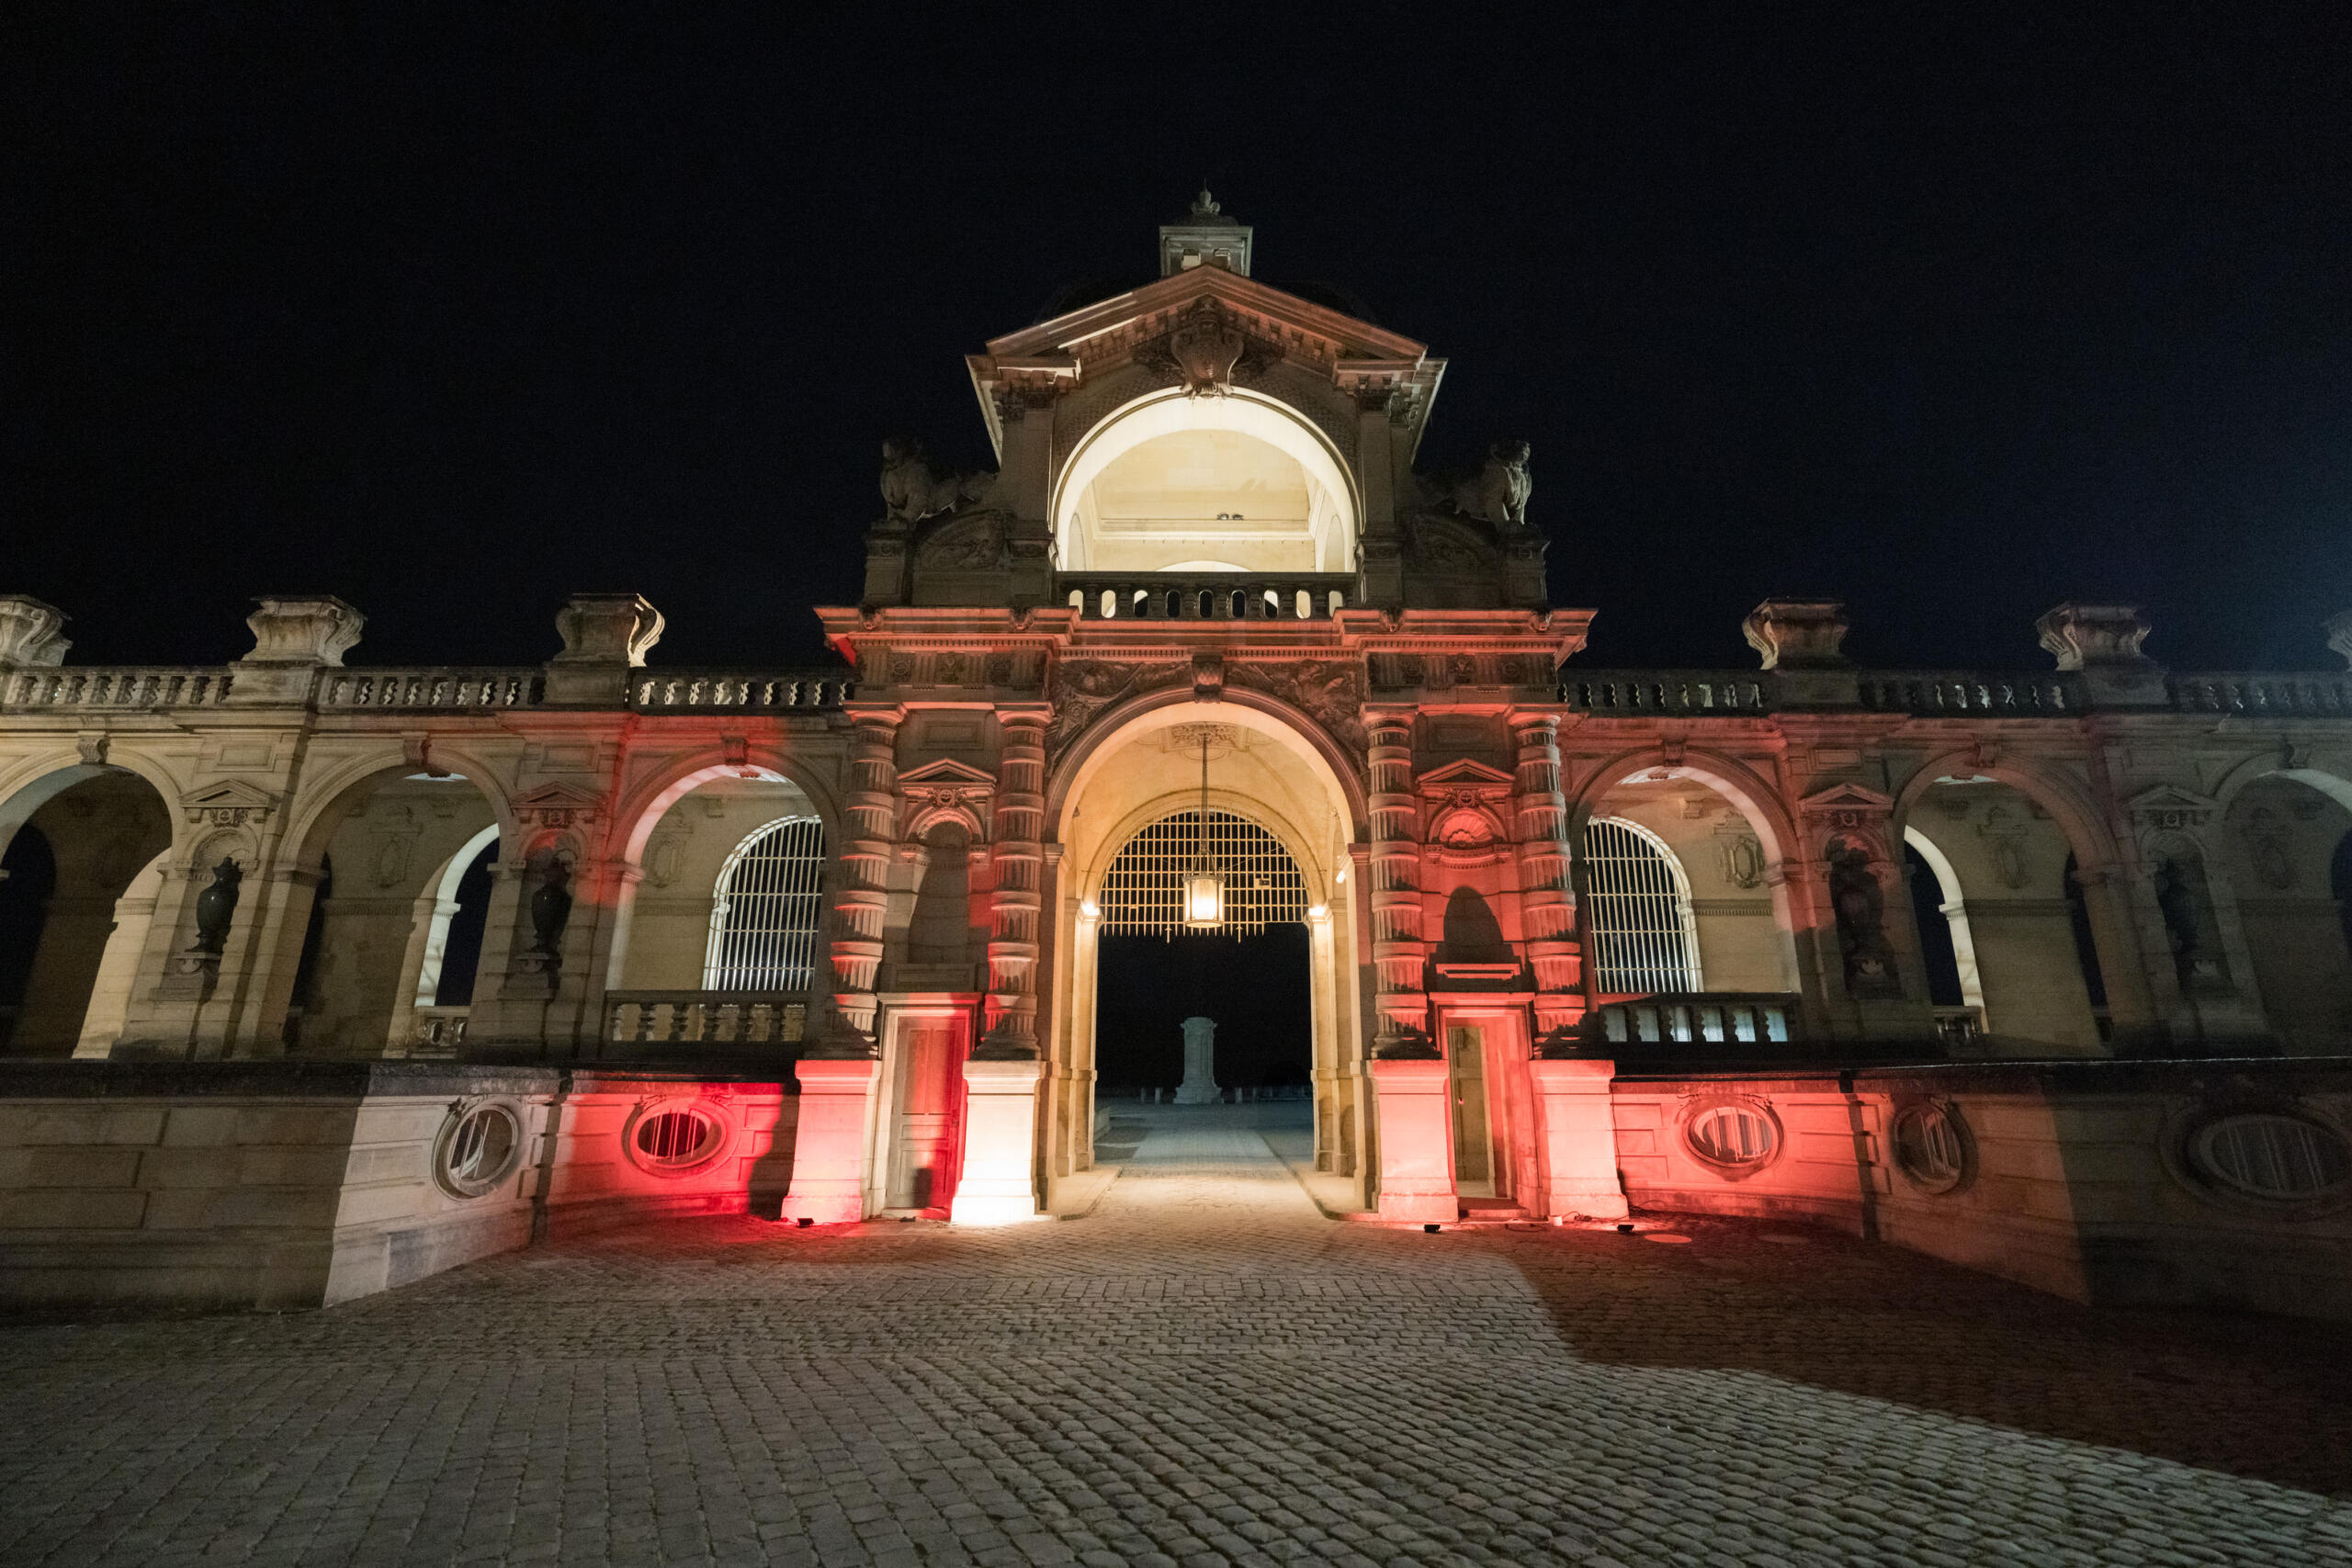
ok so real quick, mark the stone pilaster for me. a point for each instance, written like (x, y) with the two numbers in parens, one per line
(1398, 954)
(1548, 903)
(862, 904)
(1015, 902)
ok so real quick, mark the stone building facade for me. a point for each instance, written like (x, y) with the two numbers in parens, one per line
(1206, 542)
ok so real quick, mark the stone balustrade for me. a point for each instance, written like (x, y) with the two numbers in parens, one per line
(645, 1021)
(1698, 1017)
(1206, 596)
(140, 687)
(434, 689)
(2005, 694)
(1629, 693)
(738, 691)
(2260, 694)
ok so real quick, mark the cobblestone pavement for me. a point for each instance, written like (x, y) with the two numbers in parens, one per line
(1205, 1371)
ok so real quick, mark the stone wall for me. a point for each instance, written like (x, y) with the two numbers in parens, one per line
(2095, 1180)
(286, 1185)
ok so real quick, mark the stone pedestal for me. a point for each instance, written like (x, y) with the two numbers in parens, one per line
(998, 1185)
(1199, 1087)
(829, 1153)
(1579, 1138)
(1416, 1141)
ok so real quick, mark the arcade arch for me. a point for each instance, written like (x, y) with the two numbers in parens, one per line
(2008, 891)
(363, 937)
(2284, 851)
(84, 865)
(1724, 848)
(1233, 483)
(692, 845)
(1270, 769)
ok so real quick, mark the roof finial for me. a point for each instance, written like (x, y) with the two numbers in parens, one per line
(1205, 205)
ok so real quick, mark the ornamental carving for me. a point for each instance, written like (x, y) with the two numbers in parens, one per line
(964, 544)
(1084, 687)
(913, 489)
(1330, 692)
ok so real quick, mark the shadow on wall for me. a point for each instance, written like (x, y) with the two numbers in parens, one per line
(2267, 1398)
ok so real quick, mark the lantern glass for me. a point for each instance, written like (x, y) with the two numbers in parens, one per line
(1204, 898)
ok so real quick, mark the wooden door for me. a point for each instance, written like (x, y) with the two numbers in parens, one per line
(1474, 1158)
(923, 1153)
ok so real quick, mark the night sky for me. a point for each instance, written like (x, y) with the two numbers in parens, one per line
(1953, 312)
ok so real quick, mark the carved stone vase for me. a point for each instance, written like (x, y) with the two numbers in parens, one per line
(216, 906)
(550, 910)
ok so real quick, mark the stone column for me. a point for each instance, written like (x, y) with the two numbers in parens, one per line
(1015, 903)
(1199, 1087)
(1547, 904)
(1398, 954)
(2136, 1023)
(862, 906)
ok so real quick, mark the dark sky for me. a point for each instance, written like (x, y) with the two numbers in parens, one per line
(1953, 311)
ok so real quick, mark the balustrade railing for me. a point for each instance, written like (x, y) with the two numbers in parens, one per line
(1698, 1017)
(438, 1032)
(1960, 1028)
(115, 688)
(1976, 693)
(1206, 596)
(2257, 696)
(445, 689)
(677, 1017)
(740, 692)
(1623, 692)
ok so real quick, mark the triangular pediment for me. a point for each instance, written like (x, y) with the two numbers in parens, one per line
(1848, 798)
(1110, 328)
(558, 796)
(231, 794)
(2172, 797)
(1464, 774)
(946, 770)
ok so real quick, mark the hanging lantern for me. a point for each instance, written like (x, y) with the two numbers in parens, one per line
(1203, 884)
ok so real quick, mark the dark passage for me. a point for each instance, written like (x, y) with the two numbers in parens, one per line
(1255, 987)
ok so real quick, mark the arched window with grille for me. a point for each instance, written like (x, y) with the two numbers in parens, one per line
(765, 912)
(1642, 938)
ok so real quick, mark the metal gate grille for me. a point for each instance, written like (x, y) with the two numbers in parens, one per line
(1144, 890)
(1637, 912)
(764, 917)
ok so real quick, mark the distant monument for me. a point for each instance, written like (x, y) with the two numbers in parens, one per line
(1199, 1087)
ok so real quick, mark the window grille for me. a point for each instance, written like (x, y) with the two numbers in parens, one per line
(764, 916)
(1144, 890)
(1732, 1135)
(2280, 1157)
(1637, 912)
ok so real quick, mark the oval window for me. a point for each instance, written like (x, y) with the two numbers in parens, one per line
(478, 1150)
(1931, 1147)
(1733, 1135)
(2283, 1159)
(676, 1139)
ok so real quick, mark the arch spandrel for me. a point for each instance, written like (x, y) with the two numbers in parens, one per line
(2069, 806)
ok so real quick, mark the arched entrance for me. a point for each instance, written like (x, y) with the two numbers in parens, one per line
(1269, 774)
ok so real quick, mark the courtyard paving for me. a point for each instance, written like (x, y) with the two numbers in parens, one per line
(1204, 1371)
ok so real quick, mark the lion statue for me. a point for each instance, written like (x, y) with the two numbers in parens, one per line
(1499, 492)
(913, 489)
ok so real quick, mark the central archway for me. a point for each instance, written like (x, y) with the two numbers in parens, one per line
(1141, 768)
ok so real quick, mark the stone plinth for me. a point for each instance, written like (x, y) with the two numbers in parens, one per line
(829, 1160)
(998, 1185)
(1199, 1087)
(1416, 1141)
(1579, 1138)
